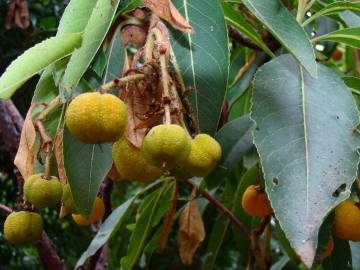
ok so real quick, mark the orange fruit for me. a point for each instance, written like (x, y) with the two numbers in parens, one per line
(96, 214)
(255, 202)
(347, 221)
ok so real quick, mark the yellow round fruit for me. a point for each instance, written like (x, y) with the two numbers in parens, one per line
(96, 214)
(204, 155)
(96, 118)
(255, 202)
(347, 221)
(42, 192)
(166, 146)
(21, 228)
(68, 200)
(131, 164)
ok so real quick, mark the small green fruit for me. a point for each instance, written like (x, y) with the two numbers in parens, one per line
(42, 192)
(21, 228)
(68, 200)
(204, 155)
(131, 164)
(166, 146)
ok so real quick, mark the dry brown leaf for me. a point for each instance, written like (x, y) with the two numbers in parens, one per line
(137, 102)
(59, 156)
(114, 175)
(63, 212)
(24, 159)
(167, 11)
(17, 14)
(191, 232)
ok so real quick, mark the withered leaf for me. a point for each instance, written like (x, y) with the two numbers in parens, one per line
(63, 212)
(58, 151)
(24, 159)
(166, 10)
(191, 232)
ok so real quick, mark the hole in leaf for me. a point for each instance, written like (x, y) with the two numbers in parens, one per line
(257, 128)
(340, 189)
(275, 181)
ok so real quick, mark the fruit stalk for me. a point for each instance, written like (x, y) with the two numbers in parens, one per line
(120, 81)
(165, 81)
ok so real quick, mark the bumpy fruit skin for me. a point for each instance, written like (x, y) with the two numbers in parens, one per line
(131, 164)
(166, 146)
(42, 192)
(68, 200)
(255, 202)
(204, 155)
(347, 221)
(21, 228)
(96, 118)
(97, 213)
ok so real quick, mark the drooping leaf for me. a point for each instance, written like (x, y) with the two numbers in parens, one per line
(86, 165)
(293, 113)
(191, 232)
(353, 83)
(334, 8)
(206, 52)
(115, 58)
(351, 19)
(347, 36)
(36, 59)
(235, 139)
(238, 21)
(166, 10)
(282, 24)
(143, 225)
(114, 221)
(73, 20)
(94, 34)
(24, 159)
(355, 254)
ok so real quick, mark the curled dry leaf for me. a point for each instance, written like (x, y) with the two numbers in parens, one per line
(24, 159)
(166, 10)
(58, 152)
(17, 14)
(191, 232)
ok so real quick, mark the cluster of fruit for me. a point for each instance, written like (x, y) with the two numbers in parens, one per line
(96, 118)
(102, 118)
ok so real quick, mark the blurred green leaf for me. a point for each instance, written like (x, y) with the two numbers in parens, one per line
(282, 24)
(36, 59)
(347, 36)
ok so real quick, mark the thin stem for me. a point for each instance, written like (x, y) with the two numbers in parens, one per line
(5, 209)
(301, 10)
(267, 245)
(49, 108)
(309, 5)
(255, 246)
(243, 229)
(244, 68)
(120, 81)
(165, 82)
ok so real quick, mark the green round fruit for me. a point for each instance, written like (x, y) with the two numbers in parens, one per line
(21, 228)
(42, 192)
(204, 155)
(166, 146)
(68, 200)
(131, 164)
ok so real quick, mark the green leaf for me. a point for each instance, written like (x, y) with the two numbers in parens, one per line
(353, 83)
(36, 59)
(238, 21)
(351, 19)
(235, 139)
(355, 254)
(203, 54)
(294, 115)
(115, 58)
(85, 165)
(143, 226)
(94, 34)
(348, 36)
(282, 24)
(114, 221)
(280, 264)
(73, 20)
(334, 8)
